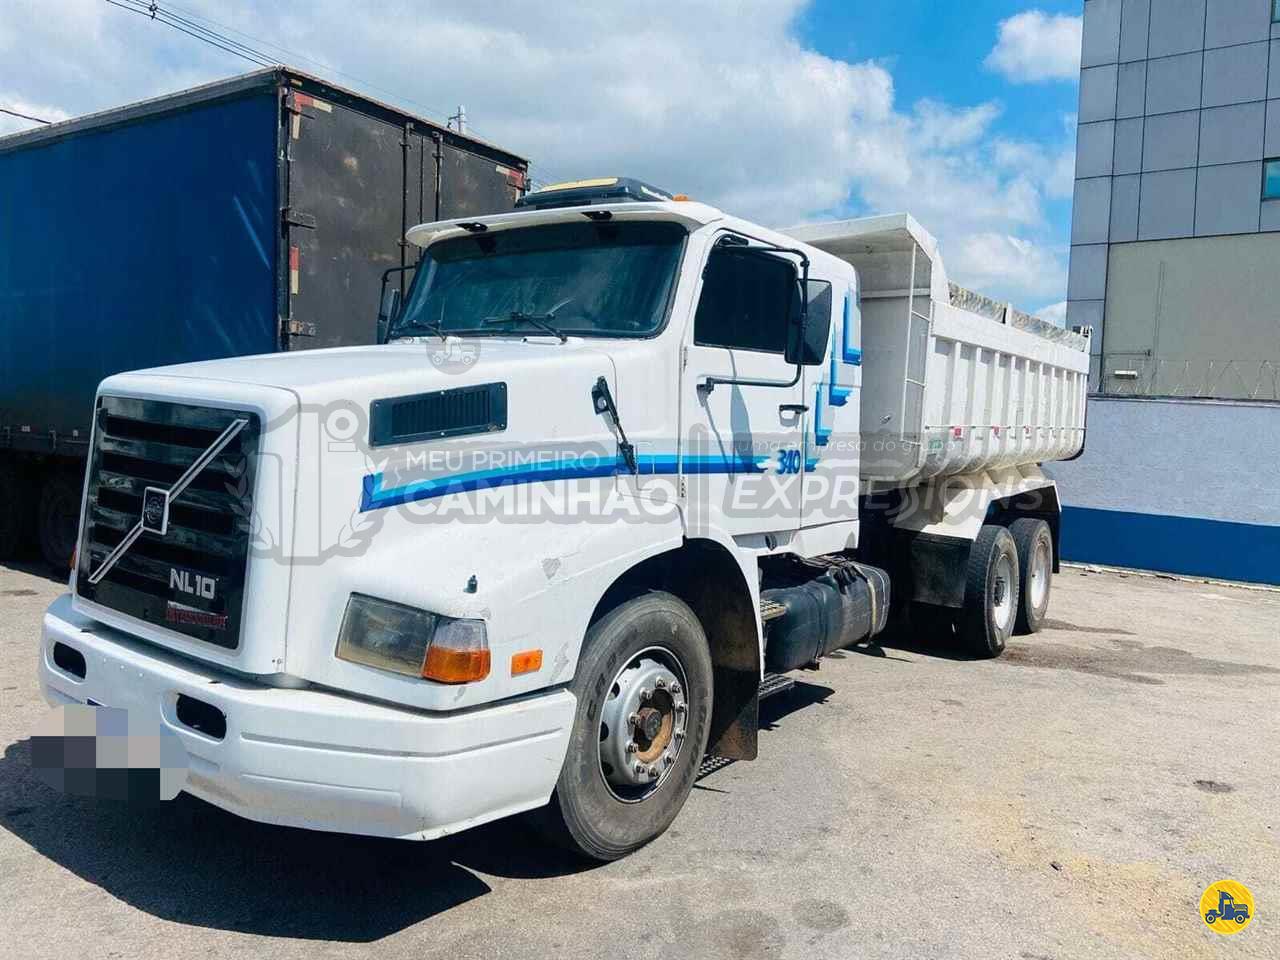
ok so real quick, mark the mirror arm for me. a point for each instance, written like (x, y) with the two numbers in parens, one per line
(382, 294)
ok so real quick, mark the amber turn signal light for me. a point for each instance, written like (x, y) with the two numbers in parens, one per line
(446, 665)
(526, 661)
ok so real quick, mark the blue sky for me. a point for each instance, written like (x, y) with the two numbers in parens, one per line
(935, 49)
(783, 111)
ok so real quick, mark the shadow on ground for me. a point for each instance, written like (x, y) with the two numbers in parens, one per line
(190, 862)
(36, 568)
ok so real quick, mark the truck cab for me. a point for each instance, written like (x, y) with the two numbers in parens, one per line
(542, 549)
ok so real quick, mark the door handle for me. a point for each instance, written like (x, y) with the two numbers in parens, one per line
(796, 408)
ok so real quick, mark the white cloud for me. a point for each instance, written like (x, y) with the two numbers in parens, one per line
(1053, 166)
(1000, 261)
(1054, 313)
(1033, 47)
(43, 111)
(724, 103)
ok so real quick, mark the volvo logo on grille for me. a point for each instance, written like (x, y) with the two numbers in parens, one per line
(155, 511)
(156, 500)
(194, 584)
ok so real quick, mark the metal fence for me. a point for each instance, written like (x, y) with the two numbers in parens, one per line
(1140, 375)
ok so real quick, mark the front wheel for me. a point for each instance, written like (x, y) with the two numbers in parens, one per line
(644, 693)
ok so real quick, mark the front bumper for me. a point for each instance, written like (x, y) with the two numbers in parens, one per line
(316, 759)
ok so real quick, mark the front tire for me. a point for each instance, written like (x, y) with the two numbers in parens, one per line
(644, 692)
(1034, 542)
(990, 593)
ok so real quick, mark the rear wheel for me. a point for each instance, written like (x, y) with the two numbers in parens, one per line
(1034, 542)
(644, 696)
(12, 525)
(990, 593)
(58, 519)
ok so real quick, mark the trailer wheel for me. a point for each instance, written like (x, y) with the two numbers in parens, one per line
(58, 519)
(12, 517)
(1034, 542)
(644, 694)
(990, 593)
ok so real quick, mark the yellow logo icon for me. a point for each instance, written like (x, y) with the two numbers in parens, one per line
(1226, 907)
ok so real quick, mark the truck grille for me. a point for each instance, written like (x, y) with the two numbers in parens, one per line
(190, 578)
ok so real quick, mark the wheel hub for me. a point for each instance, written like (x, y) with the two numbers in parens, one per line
(642, 724)
(1041, 568)
(1002, 600)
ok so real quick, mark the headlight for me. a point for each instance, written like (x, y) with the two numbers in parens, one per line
(392, 636)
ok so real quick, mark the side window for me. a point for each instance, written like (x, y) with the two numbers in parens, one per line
(746, 301)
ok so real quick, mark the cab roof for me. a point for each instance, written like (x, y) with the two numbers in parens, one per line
(691, 214)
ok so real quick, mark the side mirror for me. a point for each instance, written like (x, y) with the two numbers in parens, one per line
(809, 323)
(388, 308)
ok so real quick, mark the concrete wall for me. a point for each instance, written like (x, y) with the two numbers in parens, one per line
(1185, 486)
(1179, 106)
(1195, 317)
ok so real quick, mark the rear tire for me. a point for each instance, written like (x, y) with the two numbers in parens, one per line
(594, 813)
(990, 593)
(1034, 542)
(59, 519)
(12, 518)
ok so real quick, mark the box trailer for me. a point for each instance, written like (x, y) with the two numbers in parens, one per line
(251, 215)
(658, 457)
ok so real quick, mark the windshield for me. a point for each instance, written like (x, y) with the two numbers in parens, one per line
(593, 278)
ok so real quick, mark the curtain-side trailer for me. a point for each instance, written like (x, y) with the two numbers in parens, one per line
(251, 215)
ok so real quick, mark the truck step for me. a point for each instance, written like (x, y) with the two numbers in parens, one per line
(774, 683)
(771, 610)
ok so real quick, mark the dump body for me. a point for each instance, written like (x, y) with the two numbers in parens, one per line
(953, 382)
(247, 216)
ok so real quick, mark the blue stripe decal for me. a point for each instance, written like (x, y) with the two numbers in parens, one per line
(839, 393)
(1185, 545)
(822, 426)
(374, 497)
(852, 320)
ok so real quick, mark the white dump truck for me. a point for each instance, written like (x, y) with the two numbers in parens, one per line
(621, 463)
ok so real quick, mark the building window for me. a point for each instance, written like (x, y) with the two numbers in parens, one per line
(1271, 178)
(1275, 11)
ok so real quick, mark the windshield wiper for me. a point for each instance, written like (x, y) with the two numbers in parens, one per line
(540, 320)
(432, 328)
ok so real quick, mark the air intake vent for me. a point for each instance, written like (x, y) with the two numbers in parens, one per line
(444, 413)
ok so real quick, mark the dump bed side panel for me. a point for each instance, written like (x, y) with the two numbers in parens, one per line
(129, 246)
(953, 381)
(998, 396)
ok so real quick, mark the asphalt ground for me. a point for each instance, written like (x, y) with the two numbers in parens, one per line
(1071, 799)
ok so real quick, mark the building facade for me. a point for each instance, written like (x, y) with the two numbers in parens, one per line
(1175, 265)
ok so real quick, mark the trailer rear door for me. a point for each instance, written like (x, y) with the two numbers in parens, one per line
(355, 181)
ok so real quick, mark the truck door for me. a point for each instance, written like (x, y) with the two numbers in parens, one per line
(831, 455)
(741, 449)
